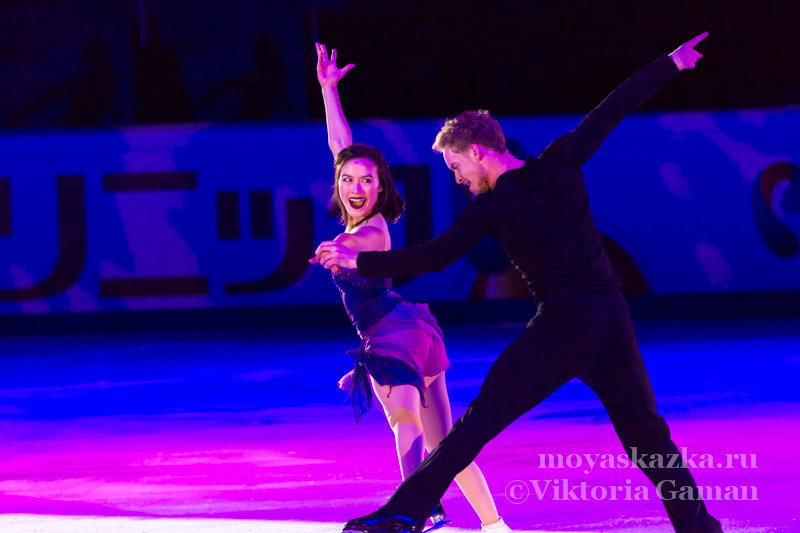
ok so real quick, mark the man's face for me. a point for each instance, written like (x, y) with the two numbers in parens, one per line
(467, 170)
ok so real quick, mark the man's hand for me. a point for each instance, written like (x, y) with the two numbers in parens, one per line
(328, 73)
(685, 56)
(332, 254)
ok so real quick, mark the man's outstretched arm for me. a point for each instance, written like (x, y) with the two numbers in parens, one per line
(468, 229)
(578, 146)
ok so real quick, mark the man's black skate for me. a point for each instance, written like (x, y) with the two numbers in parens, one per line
(381, 522)
(378, 522)
(438, 517)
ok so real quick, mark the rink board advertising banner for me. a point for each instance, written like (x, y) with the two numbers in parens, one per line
(206, 216)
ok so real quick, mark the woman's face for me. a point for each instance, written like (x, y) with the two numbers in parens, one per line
(359, 187)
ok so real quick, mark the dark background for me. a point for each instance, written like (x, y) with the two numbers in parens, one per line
(99, 63)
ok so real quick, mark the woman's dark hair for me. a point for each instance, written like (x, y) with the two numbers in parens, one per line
(390, 204)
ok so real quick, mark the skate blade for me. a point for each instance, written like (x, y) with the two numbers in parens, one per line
(436, 526)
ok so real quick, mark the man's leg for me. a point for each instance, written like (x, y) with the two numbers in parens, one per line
(620, 380)
(529, 369)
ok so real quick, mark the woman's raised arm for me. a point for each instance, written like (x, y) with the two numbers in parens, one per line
(328, 74)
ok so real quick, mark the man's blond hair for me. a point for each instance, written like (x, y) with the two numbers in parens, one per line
(471, 127)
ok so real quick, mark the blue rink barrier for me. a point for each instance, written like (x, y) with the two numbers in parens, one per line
(212, 217)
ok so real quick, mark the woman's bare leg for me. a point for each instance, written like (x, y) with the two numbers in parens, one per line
(437, 420)
(401, 405)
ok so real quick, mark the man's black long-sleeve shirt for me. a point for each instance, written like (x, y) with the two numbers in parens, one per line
(540, 212)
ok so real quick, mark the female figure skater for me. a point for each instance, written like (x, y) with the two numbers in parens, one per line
(402, 356)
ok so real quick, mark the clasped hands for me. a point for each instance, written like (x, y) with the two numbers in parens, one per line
(333, 255)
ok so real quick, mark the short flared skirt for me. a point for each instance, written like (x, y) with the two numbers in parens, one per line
(403, 348)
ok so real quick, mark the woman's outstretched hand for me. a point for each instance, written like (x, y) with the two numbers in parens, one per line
(685, 56)
(327, 71)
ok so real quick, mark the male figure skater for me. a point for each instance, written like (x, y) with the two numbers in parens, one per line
(538, 210)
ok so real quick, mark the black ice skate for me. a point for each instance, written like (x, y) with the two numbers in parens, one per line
(378, 522)
(438, 517)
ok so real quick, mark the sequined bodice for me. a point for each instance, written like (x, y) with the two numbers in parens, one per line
(366, 300)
